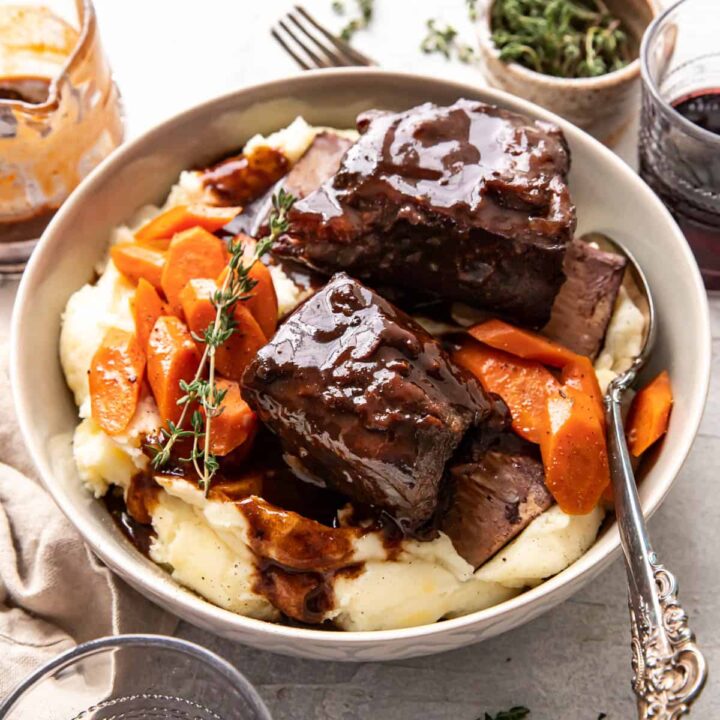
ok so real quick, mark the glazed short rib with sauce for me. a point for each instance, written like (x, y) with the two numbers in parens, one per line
(364, 400)
(467, 203)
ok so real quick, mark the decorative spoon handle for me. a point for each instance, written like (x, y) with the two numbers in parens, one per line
(668, 669)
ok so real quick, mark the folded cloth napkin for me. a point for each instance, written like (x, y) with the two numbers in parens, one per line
(54, 592)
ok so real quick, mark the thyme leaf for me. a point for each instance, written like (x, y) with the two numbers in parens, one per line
(365, 10)
(201, 398)
(472, 9)
(514, 713)
(444, 41)
(564, 38)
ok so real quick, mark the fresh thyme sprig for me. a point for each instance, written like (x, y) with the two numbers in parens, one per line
(564, 38)
(201, 398)
(514, 713)
(472, 9)
(444, 40)
(365, 10)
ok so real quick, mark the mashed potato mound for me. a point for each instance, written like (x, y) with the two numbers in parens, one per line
(203, 543)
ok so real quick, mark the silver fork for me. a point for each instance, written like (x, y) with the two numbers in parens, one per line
(311, 45)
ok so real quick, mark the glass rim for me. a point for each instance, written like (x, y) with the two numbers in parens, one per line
(88, 28)
(93, 647)
(648, 82)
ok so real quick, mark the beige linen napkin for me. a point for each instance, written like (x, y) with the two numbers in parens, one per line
(54, 593)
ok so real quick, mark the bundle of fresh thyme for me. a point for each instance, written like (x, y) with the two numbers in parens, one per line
(564, 38)
(201, 398)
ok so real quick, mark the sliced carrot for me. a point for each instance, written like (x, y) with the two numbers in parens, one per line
(523, 343)
(171, 357)
(524, 385)
(574, 452)
(580, 374)
(577, 370)
(197, 308)
(232, 357)
(137, 261)
(147, 307)
(562, 419)
(263, 302)
(159, 231)
(193, 253)
(236, 422)
(649, 414)
(115, 379)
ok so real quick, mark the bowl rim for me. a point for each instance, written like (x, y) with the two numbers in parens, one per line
(624, 75)
(168, 592)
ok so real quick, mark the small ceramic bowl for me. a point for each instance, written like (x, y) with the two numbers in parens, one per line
(601, 105)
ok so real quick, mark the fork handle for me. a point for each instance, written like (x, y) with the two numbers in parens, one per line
(669, 670)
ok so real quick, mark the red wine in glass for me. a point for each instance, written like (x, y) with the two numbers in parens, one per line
(702, 108)
(683, 167)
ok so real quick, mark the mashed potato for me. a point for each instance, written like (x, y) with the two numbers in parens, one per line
(203, 543)
(623, 341)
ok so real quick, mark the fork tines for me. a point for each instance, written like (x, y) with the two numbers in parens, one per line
(311, 45)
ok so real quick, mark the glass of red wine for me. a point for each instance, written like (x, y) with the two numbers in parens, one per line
(680, 123)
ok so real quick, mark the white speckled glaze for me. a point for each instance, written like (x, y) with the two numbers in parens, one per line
(609, 196)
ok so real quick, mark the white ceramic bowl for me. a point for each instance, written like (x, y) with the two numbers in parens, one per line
(609, 197)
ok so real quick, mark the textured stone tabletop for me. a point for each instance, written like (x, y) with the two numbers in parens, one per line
(573, 662)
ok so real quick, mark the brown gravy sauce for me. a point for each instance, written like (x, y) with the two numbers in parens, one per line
(293, 528)
(141, 536)
(31, 89)
(27, 229)
(305, 597)
(240, 179)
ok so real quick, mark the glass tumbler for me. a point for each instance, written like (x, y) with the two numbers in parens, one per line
(679, 158)
(135, 677)
(60, 114)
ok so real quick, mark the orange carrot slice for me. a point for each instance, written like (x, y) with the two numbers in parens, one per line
(577, 370)
(580, 374)
(194, 253)
(232, 357)
(171, 357)
(523, 343)
(236, 422)
(562, 419)
(115, 379)
(263, 302)
(574, 452)
(649, 414)
(147, 307)
(159, 231)
(137, 261)
(524, 385)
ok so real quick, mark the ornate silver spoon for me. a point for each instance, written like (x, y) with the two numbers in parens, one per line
(669, 670)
